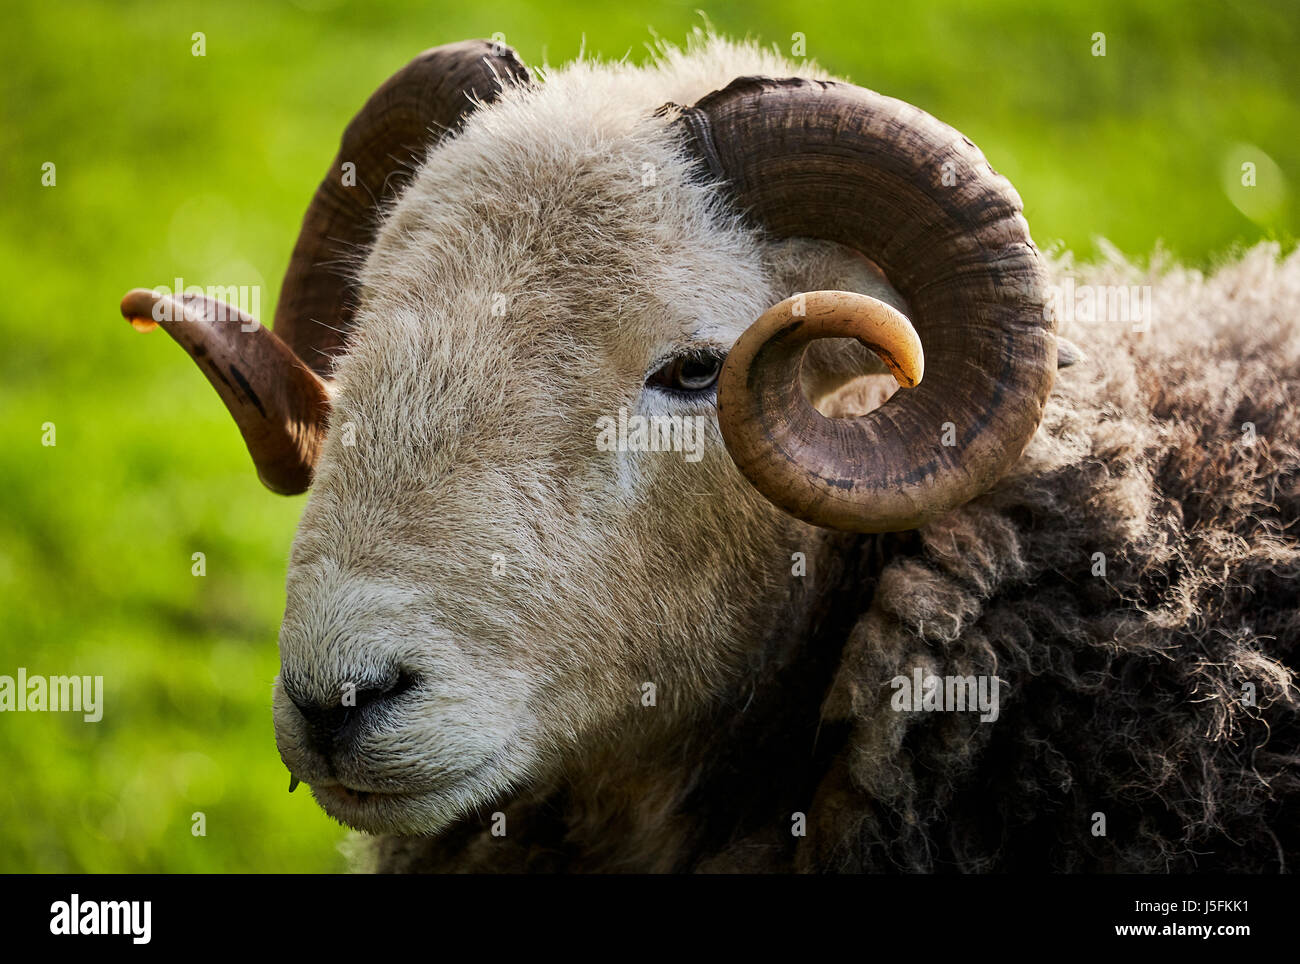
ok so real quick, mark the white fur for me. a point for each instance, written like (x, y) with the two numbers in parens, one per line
(473, 535)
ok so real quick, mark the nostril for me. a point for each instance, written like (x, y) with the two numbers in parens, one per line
(404, 682)
(364, 697)
(324, 716)
(326, 721)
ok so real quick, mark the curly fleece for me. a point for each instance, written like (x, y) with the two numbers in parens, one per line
(1172, 453)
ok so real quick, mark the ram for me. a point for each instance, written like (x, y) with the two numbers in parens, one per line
(920, 601)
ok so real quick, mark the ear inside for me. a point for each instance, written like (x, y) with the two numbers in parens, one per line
(840, 376)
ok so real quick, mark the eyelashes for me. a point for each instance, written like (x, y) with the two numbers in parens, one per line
(692, 373)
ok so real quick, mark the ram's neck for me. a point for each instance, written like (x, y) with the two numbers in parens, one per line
(723, 795)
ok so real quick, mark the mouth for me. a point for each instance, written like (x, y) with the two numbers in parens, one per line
(352, 796)
(375, 811)
(426, 809)
(423, 811)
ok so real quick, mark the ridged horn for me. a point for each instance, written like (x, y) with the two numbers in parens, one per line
(275, 384)
(384, 143)
(837, 162)
(279, 404)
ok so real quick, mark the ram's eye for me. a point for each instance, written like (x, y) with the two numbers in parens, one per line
(695, 373)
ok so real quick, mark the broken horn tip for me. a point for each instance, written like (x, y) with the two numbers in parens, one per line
(137, 301)
(137, 308)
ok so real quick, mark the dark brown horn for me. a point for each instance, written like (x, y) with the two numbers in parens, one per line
(274, 383)
(385, 142)
(834, 161)
(278, 402)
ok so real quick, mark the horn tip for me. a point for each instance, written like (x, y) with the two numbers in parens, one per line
(909, 369)
(137, 308)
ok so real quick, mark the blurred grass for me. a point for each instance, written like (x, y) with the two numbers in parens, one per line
(173, 165)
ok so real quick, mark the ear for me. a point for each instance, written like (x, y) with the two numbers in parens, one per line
(1068, 353)
(802, 264)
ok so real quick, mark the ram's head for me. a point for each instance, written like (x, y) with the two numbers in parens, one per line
(497, 289)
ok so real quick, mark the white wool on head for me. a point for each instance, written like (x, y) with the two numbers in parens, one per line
(464, 526)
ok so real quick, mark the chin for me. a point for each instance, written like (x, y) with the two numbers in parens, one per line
(422, 813)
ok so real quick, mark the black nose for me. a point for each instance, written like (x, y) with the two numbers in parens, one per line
(329, 721)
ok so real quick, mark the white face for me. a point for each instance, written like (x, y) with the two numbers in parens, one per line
(490, 577)
(482, 585)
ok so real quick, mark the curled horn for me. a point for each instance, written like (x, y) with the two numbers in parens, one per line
(275, 384)
(837, 162)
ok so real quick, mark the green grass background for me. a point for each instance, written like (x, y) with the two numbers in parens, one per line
(173, 165)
